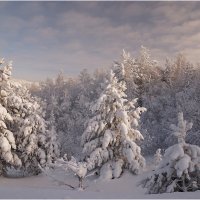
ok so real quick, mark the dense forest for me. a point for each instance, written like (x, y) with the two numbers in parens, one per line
(108, 119)
(164, 90)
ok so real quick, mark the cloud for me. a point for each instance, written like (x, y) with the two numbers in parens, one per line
(43, 37)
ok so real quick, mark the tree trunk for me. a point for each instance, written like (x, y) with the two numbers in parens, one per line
(80, 182)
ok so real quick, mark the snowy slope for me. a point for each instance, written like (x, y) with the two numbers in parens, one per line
(42, 187)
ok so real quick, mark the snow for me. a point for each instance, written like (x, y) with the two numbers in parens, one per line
(4, 114)
(91, 146)
(79, 169)
(117, 168)
(157, 157)
(7, 156)
(4, 93)
(10, 138)
(182, 165)
(107, 139)
(123, 128)
(180, 131)
(42, 187)
(129, 154)
(174, 152)
(4, 144)
(106, 172)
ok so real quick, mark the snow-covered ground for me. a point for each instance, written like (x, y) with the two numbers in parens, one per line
(44, 188)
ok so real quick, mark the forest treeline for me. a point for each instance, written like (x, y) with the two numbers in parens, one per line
(106, 122)
(164, 89)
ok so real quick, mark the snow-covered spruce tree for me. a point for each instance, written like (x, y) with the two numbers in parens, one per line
(157, 157)
(52, 144)
(109, 139)
(7, 140)
(179, 171)
(28, 126)
(137, 72)
(141, 75)
(127, 70)
(36, 138)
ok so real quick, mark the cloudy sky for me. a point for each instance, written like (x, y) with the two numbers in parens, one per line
(43, 38)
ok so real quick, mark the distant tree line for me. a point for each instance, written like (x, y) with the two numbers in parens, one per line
(163, 89)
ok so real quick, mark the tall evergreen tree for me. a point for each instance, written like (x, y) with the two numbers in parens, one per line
(7, 140)
(109, 139)
(25, 144)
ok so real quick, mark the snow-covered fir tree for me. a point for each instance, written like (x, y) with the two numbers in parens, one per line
(36, 137)
(157, 157)
(52, 145)
(28, 133)
(109, 141)
(137, 72)
(141, 75)
(127, 70)
(179, 171)
(7, 140)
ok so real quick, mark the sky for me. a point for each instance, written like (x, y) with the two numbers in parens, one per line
(44, 38)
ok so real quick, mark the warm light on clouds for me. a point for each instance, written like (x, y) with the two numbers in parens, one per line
(44, 37)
